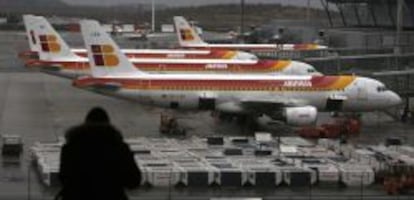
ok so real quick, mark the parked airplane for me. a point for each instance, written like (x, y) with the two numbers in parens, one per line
(30, 22)
(188, 37)
(293, 99)
(56, 57)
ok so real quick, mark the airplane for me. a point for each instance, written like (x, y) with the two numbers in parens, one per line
(56, 57)
(188, 38)
(30, 21)
(295, 100)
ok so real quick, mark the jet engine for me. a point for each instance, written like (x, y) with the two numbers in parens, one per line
(300, 116)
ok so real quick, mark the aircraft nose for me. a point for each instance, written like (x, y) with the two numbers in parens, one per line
(394, 99)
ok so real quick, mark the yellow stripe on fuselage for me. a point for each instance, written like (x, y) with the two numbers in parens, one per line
(229, 55)
(280, 65)
(342, 82)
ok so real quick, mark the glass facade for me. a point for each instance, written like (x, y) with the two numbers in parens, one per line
(373, 13)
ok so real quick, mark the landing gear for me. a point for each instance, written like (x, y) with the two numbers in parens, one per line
(334, 105)
(246, 122)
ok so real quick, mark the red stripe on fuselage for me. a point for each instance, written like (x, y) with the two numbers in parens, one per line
(318, 83)
(260, 66)
(212, 54)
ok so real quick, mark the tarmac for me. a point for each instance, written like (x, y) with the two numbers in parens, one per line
(41, 107)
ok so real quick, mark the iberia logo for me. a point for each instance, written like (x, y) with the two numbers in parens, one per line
(49, 43)
(186, 34)
(104, 55)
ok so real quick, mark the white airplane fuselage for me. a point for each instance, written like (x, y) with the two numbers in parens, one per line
(257, 47)
(185, 92)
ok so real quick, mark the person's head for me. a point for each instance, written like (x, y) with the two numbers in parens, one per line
(97, 115)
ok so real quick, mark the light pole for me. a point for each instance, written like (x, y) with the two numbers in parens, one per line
(152, 16)
(242, 20)
(308, 11)
(400, 18)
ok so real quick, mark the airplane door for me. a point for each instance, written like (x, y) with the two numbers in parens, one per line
(207, 101)
(335, 102)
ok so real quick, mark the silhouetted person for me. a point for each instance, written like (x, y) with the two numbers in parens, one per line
(95, 161)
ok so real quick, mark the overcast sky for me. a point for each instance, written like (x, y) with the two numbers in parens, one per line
(314, 3)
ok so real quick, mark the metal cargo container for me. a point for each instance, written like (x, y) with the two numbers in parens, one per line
(356, 175)
(263, 175)
(406, 150)
(298, 177)
(196, 176)
(366, 157)
(230, 175)
(326, 172)
(48, 169)
(160, 175)
(295, 175)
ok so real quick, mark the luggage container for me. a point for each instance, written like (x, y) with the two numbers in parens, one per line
(327, 173)
(263, 175)
(259, 152)
(406, 150)
(385, 156)
(406, 160)
(211, 160)
(138, 146)
(296, 141)
(172, 153)
(240, 140)
(231, 177)
(251, 161)
(286, 150)
(48, 169)
(160, 175)
(215, 141)
(148, 159)
(12, 145)
(353, 175)
(298, 176)
(336, 146)
(263, 137)
(196, 175)
(49, 175)
(317, 151)
(232, 152)
(192, 143)
(366, 157)
(203, 153)
(294, 175)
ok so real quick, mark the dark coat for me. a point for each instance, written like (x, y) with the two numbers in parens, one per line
(96, 164)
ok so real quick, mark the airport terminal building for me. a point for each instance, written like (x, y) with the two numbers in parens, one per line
(371, 13)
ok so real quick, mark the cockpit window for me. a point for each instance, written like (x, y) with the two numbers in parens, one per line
(310, 70)
(381, 89)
